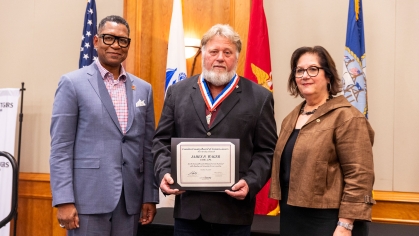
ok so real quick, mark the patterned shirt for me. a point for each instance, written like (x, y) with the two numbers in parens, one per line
(117, 91)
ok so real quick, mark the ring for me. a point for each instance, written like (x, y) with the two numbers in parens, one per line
(62, 226)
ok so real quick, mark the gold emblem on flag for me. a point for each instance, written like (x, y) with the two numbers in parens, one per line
(264, 78)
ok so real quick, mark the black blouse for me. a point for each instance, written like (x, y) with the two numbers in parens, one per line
(284, 173)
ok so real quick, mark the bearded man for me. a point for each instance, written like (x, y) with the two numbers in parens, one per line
(217, 104)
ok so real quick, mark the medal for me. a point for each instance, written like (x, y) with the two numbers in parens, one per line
(211, 103)
(208, 117)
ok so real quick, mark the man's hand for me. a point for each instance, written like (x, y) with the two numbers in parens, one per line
(165, 185)
(148, 211)
(240, 190)
(67, 216)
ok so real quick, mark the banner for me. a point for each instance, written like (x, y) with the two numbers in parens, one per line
(257, 68)
(8, 115)
(354, 79)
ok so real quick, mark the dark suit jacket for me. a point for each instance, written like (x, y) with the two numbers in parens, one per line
(246, 114)
(91, 159)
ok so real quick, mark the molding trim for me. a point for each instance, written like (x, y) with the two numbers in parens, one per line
(34, 186)
(396, 207)
(391, 207)
(396, 196)
(35, 205)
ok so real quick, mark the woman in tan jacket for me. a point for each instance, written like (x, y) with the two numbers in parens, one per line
(322, 170)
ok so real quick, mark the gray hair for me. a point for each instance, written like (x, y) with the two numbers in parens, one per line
(225, 31)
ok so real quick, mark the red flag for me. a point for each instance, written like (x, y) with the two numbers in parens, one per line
(258, 69)
(257, 66)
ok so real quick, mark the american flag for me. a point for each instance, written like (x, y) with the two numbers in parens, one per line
(87, 51)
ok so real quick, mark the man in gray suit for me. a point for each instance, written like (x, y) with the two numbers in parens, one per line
(218, 104)
(101, 136)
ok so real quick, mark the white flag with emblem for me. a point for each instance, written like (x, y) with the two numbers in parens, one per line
(175, 68)
(176, 62)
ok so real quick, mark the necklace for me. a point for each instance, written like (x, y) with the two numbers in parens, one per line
(307, 112)
(302, 112)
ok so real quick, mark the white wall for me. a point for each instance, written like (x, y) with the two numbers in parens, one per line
(392, 36)
(404, 86)
(40, 41)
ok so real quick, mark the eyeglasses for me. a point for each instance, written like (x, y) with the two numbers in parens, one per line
(109, 39)
(311, 71)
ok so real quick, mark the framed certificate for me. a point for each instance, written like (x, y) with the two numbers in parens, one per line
(205, 164)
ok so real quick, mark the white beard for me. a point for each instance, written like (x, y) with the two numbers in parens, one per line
(218, 79)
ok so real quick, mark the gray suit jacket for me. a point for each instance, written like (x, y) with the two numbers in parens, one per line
(91, 159)
(246, 114)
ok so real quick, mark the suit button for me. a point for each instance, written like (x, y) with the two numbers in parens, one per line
(123, 140)
(123, 163)
(208, 133)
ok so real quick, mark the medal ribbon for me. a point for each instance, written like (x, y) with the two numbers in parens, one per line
(211, 103)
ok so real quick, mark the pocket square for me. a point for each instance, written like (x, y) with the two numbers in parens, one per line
(140, 103)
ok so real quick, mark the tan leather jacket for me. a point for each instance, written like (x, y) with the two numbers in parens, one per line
(332, 161)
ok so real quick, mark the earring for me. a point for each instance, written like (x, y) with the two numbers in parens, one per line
(329, 87)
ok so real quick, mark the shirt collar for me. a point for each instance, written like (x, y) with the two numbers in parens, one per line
(104, 72)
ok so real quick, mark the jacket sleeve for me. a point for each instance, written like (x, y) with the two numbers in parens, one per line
(354, 140)
(63, 131)
(151, 193)
(162, 139)
(264, 141)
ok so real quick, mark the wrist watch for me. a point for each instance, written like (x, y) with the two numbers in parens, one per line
(347, 226)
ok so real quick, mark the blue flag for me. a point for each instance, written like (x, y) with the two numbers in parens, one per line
(354, 63)
(88, 52)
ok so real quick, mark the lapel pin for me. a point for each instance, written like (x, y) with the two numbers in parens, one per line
(133, 87)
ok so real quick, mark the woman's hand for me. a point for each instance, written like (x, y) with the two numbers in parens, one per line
(340, 231)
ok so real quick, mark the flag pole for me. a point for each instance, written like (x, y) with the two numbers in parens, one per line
(22, 90)
(20, 125)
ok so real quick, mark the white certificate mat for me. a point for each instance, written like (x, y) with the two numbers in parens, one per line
(205, 164)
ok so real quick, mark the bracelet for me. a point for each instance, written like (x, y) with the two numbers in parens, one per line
(347, 226)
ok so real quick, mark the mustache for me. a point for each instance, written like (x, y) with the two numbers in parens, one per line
(222, 66)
